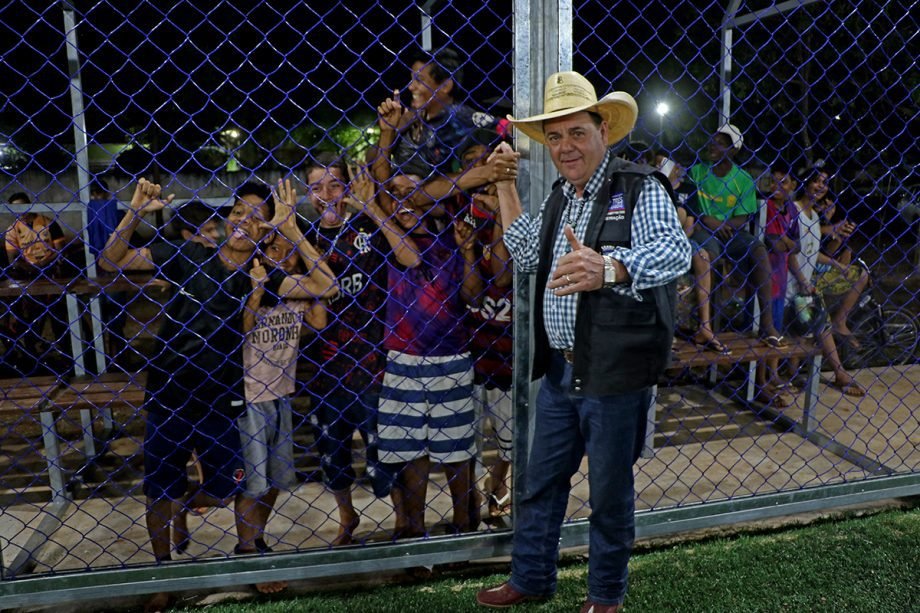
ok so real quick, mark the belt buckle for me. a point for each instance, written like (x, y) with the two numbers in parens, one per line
(568, 355)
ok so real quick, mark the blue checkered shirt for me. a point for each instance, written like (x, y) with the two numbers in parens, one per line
(660, 251)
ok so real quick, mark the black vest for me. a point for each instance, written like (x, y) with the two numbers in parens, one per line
(621, 344)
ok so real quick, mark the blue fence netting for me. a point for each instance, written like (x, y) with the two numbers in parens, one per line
(198, 376)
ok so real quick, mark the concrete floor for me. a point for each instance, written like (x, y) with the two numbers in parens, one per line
(708, 449)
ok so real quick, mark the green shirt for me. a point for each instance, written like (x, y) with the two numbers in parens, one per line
(724, 197)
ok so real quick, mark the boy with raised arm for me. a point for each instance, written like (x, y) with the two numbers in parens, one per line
(281, 301)
(426, 411)
(195, 383)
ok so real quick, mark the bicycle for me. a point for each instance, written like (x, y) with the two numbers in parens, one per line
(884, 336)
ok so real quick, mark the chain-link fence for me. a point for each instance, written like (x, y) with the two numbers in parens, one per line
(254, 380)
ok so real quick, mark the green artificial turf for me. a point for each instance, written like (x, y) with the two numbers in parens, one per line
(859, 564)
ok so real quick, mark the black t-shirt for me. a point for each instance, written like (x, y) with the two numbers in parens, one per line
(197, 365)
(348, 353)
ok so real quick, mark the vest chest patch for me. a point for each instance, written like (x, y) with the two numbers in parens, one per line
(616, 208)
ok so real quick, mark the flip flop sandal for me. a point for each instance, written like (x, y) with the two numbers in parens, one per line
(774, 397)
(712, 344)
(499, 507)
(776, 342)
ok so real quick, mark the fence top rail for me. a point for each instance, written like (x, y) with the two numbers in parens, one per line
(13, 288)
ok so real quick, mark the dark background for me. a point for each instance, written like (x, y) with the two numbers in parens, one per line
(831, 81)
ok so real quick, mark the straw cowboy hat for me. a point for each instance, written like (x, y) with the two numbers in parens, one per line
(568, 93)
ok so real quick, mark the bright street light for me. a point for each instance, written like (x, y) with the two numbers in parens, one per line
(662, 109)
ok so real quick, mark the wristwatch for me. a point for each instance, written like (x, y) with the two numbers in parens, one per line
(610, 272)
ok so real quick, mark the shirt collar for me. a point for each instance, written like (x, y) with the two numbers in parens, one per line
(594, 183)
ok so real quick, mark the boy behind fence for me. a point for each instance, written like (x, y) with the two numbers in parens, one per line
(195, 385)
(279, 304)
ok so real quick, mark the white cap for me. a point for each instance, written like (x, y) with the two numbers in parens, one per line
(734, 134)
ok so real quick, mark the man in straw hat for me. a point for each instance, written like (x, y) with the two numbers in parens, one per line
(606, 248)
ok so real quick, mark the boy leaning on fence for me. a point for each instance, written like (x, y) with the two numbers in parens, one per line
(490, 326)
(282, 300)
(195, 388)
(347, 354)
(426, 411)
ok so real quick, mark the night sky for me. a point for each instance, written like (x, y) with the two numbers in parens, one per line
(830, 80)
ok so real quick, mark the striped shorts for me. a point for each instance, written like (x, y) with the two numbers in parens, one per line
(426, 408)
(495, 404)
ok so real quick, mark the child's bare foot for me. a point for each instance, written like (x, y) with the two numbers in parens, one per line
(848, 386)
(346, 532)
(271, 587)
(158, 603)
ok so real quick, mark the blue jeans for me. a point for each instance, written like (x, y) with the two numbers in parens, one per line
(611, 429)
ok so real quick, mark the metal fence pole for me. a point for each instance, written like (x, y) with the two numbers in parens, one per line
(725, 64)
(543, 45)
(81, 153)
(81, 150)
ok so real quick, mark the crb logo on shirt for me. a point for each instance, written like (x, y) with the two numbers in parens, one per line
(349, 285)
(616, 209)
(362, 242)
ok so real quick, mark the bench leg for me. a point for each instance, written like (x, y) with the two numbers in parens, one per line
(53, 456)
(750, 390)
(811, 393)
(76, 334)
(648, 447)
(89, 439)
(107, 423)
(98, 337)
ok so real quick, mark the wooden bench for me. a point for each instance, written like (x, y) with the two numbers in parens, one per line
(30, 395)
(745, 350)
(25, 393)
(53, 399)
(102, 393)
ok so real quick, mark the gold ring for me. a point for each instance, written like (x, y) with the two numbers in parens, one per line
(567, 279)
